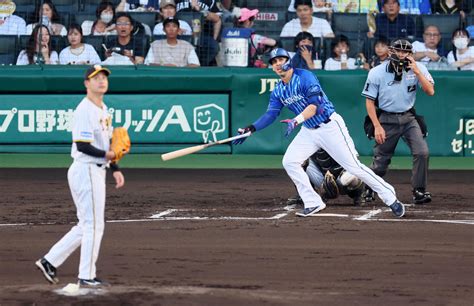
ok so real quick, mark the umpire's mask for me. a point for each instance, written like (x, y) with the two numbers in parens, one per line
(397, 65)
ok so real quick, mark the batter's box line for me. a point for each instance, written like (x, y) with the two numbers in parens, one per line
(371, 214)
(164, 215)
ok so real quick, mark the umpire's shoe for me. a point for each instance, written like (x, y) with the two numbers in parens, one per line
(398, 208)
(311, 210)
(420, 196)
(92, 283)
(369, 195)
(48, 270)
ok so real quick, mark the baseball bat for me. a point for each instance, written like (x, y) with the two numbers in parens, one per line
(194, 149)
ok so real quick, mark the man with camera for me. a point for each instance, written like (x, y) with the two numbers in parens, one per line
(392, 86)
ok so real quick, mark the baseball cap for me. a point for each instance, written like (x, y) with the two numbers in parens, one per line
(170, 19)
(246, 14)
(164, 3)
(94, 70)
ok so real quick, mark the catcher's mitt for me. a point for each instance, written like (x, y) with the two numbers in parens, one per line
(329, 186)
(120, 143)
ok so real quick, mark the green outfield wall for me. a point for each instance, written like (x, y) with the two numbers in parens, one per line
(168, 108)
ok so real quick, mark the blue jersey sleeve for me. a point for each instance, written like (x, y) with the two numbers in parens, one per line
(310, 84)
(273, 111)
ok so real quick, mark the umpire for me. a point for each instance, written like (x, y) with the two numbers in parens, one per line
(393, 85)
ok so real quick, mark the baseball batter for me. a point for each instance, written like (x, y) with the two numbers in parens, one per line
(322, 127)
(91, 134)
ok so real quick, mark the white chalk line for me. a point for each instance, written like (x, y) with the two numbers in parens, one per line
(368, 216)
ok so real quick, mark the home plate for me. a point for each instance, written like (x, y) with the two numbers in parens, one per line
(330, 215)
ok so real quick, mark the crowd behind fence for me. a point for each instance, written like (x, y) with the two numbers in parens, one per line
(319, 34)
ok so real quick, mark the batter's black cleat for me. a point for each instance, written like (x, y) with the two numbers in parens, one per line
(294, 200)
(420, 196)
(92, 283)
(48, 270)
(398, 208)
(369, 195)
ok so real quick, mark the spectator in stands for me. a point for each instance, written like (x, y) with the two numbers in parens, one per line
(104, 23)
(415, 7)
(460, 7)
(38, 49)
(352, 6)
(258, 44)
(208, 8)
(392, 24)
(306, 22)
(206, 37)
(125, 43)
(47, 15)
(11, 24)
(78, 53)
(381, 53)
(339, 61)
(305, 57)
(172, 52)
(428, 50)
(323, 6)
(138, 6)
(168, 9)
(462, 56)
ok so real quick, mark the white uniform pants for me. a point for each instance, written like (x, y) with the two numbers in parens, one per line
(334, 138)
(87, 184)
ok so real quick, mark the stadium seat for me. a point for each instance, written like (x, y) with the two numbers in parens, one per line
(96, 42)
(352, 25)
(25, 5)
(262, 4)
(270, 22)
(79, 18)
(66, 6)
(445, 23)
(148, 18)
(8, 49)
(64, 19)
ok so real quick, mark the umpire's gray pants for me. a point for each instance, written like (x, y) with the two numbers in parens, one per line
(406, 127)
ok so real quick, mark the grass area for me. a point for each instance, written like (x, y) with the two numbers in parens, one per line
(212, 161)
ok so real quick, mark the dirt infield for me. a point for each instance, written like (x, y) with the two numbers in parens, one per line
(226, 237)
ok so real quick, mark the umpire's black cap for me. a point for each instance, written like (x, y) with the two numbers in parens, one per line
(94, 70)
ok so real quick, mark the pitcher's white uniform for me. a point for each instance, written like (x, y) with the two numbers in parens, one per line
(86, 177)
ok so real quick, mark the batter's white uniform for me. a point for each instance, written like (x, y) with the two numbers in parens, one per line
(86, 178)
(326, 130)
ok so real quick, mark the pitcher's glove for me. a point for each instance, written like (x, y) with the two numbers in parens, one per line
(120, 143)
(329, 186)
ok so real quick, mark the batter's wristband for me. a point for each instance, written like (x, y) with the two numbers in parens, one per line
(299, 119)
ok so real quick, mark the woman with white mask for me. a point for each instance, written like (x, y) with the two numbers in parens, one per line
(105, 21)
(462, 56)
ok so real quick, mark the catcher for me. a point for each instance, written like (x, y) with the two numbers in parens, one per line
(331, 180)
(92, 152)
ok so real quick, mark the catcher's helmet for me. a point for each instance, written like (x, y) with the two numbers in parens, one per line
(401, 45)
(280, 52)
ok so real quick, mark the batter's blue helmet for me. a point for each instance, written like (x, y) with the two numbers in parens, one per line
(280, 52)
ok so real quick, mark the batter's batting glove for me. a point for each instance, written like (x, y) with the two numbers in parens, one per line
(291, 126)
(241, 131)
